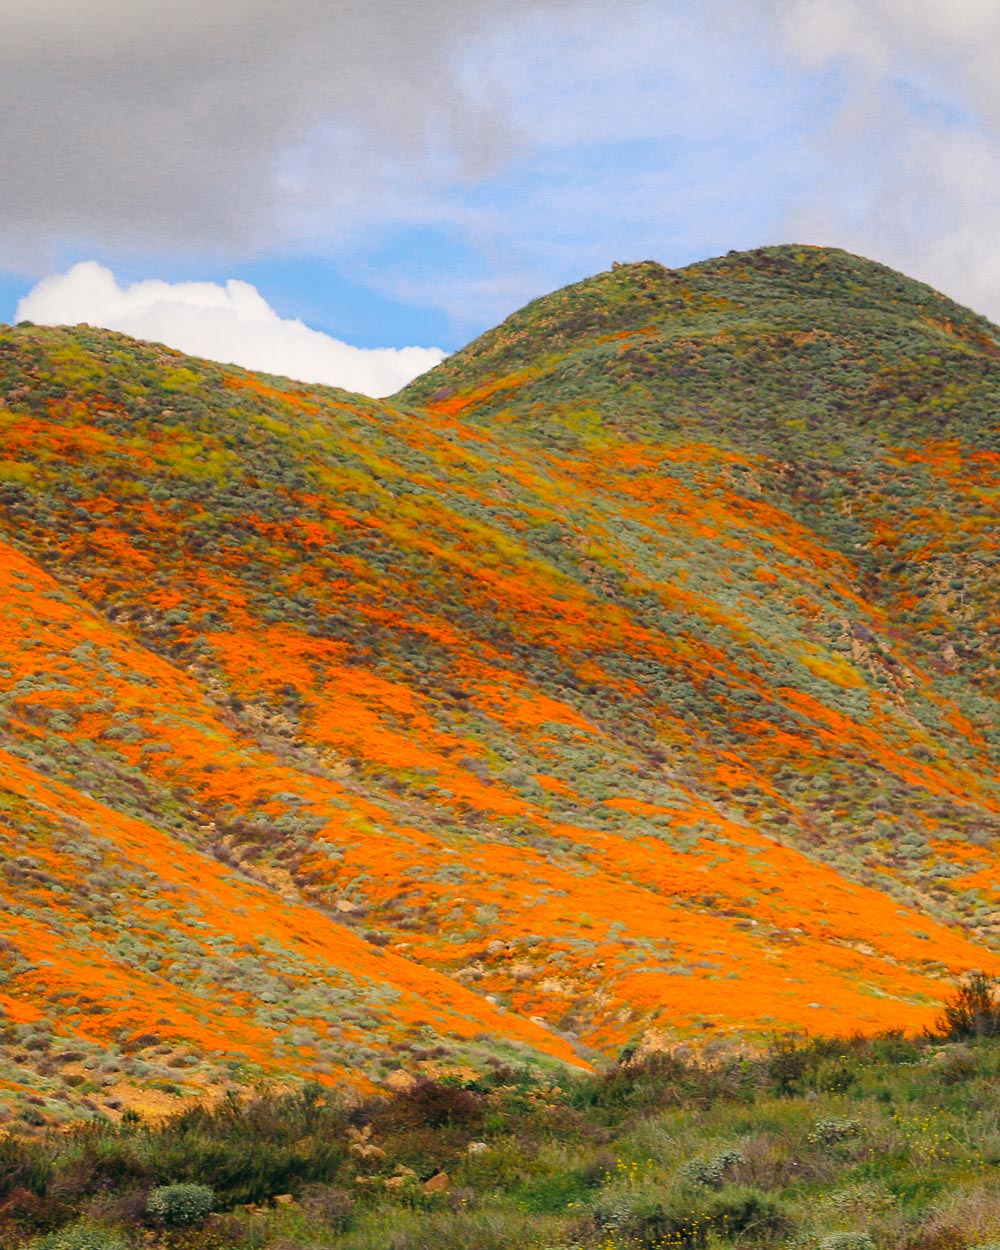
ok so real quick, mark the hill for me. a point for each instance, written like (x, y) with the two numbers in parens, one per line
(631, 677)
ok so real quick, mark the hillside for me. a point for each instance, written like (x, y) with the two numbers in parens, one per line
(630, 677)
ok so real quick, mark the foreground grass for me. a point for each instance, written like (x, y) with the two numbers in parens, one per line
(835, 1144)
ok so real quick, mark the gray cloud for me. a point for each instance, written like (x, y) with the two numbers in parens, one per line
(227, 124)
(913, 154)
(235, 127)
(868, 124)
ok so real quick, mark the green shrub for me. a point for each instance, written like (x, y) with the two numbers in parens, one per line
(846, 1241)
(687, 1220)
(181, 1204)
(787, 1062)
(974, 1010)
(83, 1237)
(742, 1209)
(833, 1132)
(551, 1192)
(710, 1172)
(627, 1212)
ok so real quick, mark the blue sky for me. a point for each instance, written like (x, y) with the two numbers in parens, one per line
(393, 175)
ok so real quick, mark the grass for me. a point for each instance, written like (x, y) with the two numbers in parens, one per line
(853, 1143)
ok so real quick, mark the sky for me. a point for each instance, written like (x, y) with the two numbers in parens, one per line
(344, 190)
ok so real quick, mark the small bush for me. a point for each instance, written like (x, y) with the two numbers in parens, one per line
(181, 1204)
(741, 1209)
(683, 1220)
(787, 1062)
(35, 1212)
(974, 1011)
(958, 1064)
(833, 1132)
(333, 1207)
(83, 1237)
(627, 1212)
(834, 1076)
(432, 1104)
(710, 1172)
(846, 1241)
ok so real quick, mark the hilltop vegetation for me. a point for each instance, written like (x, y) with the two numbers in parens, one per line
(630, 678)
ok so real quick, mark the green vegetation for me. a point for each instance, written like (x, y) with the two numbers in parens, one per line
(974, 1011)
(630, 679)
(885, 1142)
(175, 1205)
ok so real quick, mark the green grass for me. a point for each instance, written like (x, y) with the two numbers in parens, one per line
(749, 1151)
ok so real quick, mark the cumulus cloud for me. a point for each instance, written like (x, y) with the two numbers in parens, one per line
(232, 323)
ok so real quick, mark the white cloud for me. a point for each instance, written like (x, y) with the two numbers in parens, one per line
(913, 153)
(233, 324)
(679, 130)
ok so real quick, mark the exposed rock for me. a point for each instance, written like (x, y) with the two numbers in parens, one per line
(400, 1080)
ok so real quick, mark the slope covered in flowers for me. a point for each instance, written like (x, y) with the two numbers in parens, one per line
(631, 676)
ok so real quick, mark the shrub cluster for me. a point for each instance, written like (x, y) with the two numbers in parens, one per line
(180, 1204)
(657, 1152)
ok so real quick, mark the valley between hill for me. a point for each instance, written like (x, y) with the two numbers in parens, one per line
(630, 678)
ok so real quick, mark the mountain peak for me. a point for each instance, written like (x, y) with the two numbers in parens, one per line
(769, 294)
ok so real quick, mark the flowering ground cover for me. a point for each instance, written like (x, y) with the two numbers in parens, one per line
(627, 680)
